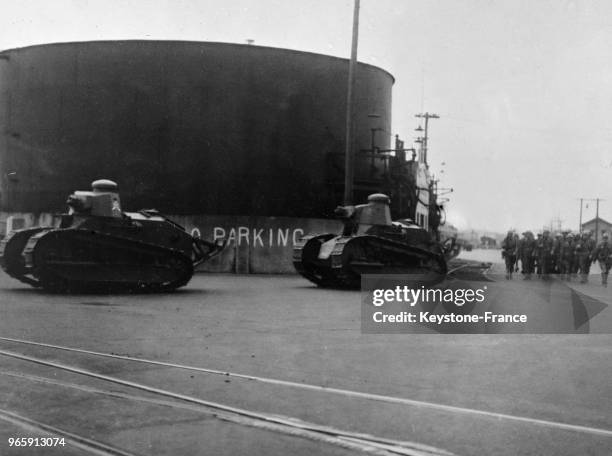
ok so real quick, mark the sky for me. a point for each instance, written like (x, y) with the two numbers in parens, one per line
(523, 88)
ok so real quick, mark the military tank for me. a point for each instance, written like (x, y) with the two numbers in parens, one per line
(97, 247)
(370, 243)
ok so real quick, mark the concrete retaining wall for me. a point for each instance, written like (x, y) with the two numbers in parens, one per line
(257, 245)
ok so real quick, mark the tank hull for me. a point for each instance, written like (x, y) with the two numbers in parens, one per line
(141, 253)
(335, 261)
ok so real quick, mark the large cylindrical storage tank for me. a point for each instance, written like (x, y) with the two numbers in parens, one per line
(185, 127)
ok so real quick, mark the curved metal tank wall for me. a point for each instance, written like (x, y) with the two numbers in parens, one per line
(186, 127)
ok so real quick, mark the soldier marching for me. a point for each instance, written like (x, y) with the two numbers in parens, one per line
(565, 254)
(603, 254)
(509, 253)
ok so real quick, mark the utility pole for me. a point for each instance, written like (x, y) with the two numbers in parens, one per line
(597, 200)
(426, 116)
(350, 150)
(556, 223)
(597, 221)
(580, 223)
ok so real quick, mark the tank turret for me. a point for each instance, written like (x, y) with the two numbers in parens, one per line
(102, 201)
(359, 219)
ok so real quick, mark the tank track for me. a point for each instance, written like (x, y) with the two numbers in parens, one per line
(11, 260)
(353, 256)
(66, 260)
(304, 254)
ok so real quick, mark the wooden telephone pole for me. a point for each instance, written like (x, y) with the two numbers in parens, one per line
(350, 149)
(597, 200)
(426, 116)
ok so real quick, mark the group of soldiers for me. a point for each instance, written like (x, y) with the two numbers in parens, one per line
(566, 254)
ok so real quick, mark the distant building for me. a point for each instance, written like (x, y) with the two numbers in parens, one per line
(470, 236)
(597, 226)
(488, 242)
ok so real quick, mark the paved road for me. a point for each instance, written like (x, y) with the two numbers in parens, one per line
(281, 327)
